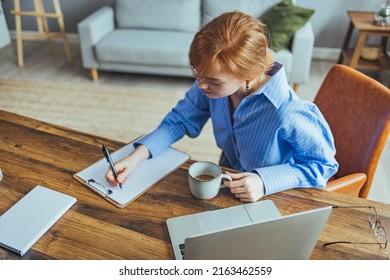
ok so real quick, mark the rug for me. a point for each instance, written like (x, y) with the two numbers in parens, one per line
(115, 112)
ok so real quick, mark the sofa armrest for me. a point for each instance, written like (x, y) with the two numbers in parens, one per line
(302, 51)
(91, 31)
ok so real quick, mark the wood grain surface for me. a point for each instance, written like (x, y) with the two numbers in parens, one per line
(37, 153)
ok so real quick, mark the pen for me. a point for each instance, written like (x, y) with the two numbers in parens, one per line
(109, 160)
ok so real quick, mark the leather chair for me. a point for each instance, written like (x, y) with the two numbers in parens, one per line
(357, 109)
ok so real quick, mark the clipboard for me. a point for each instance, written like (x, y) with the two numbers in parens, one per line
(145, 175)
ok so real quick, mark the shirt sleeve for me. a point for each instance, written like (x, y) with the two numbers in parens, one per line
(187, 118)
(313, 160)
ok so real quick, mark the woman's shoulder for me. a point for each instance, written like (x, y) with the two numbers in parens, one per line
(292, 102)
(296, 109)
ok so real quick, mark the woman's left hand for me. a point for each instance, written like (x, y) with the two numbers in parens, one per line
(247, 186)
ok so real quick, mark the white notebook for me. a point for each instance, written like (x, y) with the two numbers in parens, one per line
(31, 217)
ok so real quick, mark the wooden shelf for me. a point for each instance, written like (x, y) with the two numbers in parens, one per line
(362, 22)
(382, 64)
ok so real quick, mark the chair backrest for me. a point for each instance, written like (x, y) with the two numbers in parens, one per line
(357, 109)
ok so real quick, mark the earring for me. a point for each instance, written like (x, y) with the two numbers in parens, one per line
(247, 89)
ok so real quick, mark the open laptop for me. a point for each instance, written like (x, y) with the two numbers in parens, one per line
(248, 231)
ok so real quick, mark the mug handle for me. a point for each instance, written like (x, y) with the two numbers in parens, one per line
(226, 177)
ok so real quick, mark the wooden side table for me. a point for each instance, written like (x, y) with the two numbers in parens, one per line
(43, 27)
(363, 22)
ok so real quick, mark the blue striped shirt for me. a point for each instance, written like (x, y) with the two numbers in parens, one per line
(272, 132)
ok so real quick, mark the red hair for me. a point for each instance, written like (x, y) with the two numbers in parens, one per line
(233, 42)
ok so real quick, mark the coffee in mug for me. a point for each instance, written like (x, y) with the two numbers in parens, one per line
(205, 179)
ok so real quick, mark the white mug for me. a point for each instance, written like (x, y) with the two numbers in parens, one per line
(1, 175)
(205, 179)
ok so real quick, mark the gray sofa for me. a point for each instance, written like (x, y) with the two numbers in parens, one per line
(154, 36)
(5, 38)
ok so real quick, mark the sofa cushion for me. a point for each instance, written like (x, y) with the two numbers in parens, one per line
(147, 47)
(181, 15)
(283, 21)
(255, 8)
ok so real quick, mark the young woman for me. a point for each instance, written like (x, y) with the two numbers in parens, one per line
(278, 141)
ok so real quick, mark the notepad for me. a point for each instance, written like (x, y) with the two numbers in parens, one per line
(31, 217)
(144, 176)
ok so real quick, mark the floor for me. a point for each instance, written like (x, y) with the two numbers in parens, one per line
(40, 65)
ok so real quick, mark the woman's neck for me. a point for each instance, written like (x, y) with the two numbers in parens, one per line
(258, 82)
(254, 85)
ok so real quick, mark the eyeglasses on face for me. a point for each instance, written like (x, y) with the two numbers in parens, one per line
(211, 82)
(375, 224)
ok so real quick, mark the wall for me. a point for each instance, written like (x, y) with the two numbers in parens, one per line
(74, 11)
(330, 21)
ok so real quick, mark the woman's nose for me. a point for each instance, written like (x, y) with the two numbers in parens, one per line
(202, 84)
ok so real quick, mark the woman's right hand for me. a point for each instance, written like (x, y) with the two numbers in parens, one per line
(126, 165)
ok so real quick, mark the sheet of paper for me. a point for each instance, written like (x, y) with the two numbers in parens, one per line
(147, 173)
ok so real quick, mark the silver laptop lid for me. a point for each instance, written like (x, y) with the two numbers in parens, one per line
(289, 237)
(181, 227)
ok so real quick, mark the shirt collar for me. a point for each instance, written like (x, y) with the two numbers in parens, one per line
(276, 89)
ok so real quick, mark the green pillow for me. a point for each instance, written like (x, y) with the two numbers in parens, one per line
(283, 20)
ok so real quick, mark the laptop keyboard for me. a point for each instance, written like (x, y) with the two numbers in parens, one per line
(182, 249)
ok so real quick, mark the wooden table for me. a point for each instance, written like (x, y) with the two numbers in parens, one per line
(33, 152)
(363, 23)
